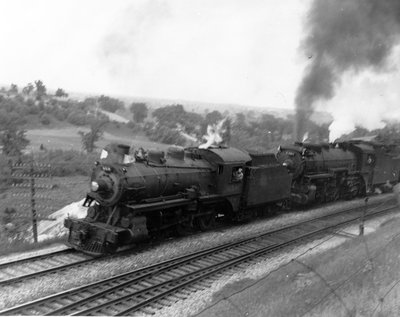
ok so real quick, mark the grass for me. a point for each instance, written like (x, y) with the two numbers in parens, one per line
(347, 280)
(23, 246)
(67, 138)
(65, 191)
(362, 272)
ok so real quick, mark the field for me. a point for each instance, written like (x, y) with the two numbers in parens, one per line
(67, 138)
(65, 190)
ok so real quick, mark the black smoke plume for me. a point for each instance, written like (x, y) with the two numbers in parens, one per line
(344, 35)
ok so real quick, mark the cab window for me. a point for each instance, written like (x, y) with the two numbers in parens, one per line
(237, 174)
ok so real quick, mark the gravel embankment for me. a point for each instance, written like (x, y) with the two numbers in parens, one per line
(172, 248)
(238, 293)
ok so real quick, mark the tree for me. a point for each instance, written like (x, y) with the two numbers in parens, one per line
(45, 119)
(110, 104)
(28, 89)
(12, 115)
(13, 89)
(90, 102)
(170, 115)
(213, 117)
(240, 120)
(13, 141)
(61, 93)
(77, 117)
(210, 119)
(95, 134)
(40, 89)
(139, 110)
(166, 135)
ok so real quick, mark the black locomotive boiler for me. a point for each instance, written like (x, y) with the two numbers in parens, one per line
(132, 199)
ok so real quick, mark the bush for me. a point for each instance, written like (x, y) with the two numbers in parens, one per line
(33, 109)
(135, 128)
(68, 163)
(30, 102)
(60, 114)
(77, 118)
(5, 171)
(131, 124)
(139, 110)
(166, 135)
(110, 104)
(45, 119)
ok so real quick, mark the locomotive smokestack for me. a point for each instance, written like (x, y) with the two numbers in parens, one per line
(344, 36)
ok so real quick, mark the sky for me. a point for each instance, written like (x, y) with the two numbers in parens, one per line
(215, 51)
(219, 51)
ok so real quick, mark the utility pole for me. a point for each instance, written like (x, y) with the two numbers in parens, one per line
(34, 219)
(27, 179)
(362, 218)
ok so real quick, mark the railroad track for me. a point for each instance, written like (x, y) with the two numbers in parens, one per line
(33, 267)
(149, 289)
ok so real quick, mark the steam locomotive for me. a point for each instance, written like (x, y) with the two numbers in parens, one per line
(134, 197)
(328, 172)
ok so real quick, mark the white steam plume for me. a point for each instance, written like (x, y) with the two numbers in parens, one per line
(214, 135)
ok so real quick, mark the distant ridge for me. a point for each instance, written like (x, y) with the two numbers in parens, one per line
(201, 107)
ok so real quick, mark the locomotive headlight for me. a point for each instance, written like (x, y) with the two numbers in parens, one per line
(94, 186)
(101, 185)
(106, 188)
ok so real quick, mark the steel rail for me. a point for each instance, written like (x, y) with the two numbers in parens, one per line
(180, 282)
(42, 271)
(141, 274)
(35, 258)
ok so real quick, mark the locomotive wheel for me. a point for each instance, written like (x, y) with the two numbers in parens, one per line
(206, 222)
(337, 195)
(285, 205)
(319, 196)
(184, 228)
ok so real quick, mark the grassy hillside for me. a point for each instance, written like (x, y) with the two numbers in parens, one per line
(67, 138)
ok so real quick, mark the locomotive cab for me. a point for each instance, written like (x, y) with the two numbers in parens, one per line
(230, 165)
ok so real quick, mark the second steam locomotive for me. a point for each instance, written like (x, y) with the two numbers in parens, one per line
(135, 197)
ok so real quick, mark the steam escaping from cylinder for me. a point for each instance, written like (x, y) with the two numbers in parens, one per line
(345, 37)
(305, 137)
(216, 134)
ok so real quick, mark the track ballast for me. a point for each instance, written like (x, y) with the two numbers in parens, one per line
(151, 288)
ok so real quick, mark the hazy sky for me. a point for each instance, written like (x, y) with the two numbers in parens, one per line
(232, 51)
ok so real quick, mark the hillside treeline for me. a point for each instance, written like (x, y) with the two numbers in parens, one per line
(33, 107)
